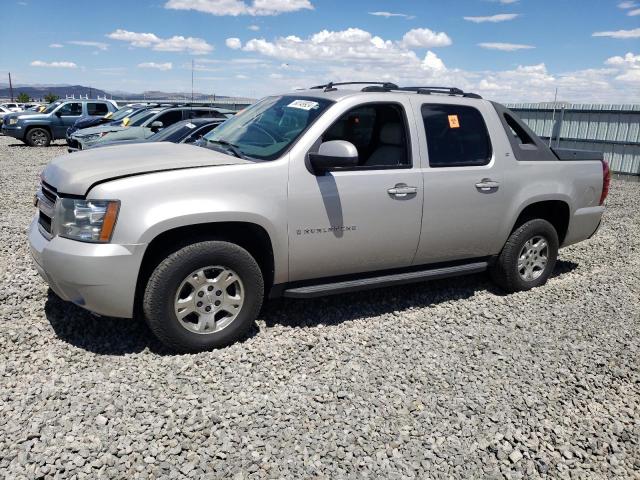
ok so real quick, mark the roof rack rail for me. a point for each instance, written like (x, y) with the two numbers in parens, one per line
(330, 87)
(444, 90)
(389, 87)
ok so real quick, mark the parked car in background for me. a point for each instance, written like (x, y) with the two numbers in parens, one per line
(3, 111)
(140, 126)
(310, 193)
(186, 131)
(113, 118)
(13, 107)
(38, 129)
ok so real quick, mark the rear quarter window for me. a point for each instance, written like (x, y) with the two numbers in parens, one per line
(457, 136)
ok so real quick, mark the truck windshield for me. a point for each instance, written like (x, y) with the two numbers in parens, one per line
(51, 107)
(266, 129)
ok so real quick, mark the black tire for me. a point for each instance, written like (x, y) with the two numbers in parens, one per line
(505, 270)
(162, 288)
(38, 137)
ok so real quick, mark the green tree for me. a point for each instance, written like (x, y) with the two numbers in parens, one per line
(50, 97)
(22, 97)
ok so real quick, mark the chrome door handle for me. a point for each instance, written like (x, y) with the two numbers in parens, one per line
(402, 190)
(486, 184)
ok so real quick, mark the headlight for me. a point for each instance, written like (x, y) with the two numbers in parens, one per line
(86, 220)
(13, 121)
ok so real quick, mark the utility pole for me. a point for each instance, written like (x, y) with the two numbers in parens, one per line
(553, 117)
(192, 66)
(10, 87)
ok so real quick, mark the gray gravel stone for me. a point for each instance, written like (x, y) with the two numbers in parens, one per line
(451, 379)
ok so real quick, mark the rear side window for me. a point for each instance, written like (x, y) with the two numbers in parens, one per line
(517, 131)
(456, 136)
(97, 109)
(203, 114)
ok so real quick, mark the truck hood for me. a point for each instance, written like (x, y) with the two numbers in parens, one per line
(30, 115)
(76, 173)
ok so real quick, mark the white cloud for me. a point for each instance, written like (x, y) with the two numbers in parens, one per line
(233, 43)
(501, 17)
(158, 66)
(507, 2)
(425, 38)
(634, 13)
(627, 4)
(355, 54)
(635, 33)
(99, 45)
(253, 28)
(177, 43)
(504, 47)
(628, 67)
(56, 45)
(240, 7)
(241, 77)
(40, 63)
(390, 14)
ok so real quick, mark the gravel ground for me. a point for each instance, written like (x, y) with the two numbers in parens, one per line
(444, 380)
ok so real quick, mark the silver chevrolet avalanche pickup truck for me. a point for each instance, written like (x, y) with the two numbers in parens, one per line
(328, 190)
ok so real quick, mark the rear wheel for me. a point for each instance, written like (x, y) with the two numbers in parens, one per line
(527, 258)
(203, 296)
(38, 137)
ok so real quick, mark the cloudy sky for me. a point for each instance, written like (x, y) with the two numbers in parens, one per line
(508, 50)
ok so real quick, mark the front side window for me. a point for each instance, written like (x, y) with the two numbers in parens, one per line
(138, 118)
(203, 113)
(71, 109)
(378, 131)
(51, 107)
(266, 129)
(97, 108)
(456, 136)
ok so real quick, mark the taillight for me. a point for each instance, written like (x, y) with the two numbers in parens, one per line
(606, 181)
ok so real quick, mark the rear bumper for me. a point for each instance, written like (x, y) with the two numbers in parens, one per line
(98, 277)
(583, 224)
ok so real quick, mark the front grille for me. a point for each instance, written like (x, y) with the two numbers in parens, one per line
(47, 198)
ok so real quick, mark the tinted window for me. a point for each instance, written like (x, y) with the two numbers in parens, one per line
(173, 133)
(456, 136)
(71, 109)
(169, 118)
(139, 118)
(195, 113)
(378, 131)
(97, 109)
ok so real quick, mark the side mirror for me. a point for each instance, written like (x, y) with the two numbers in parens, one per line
(334, 154)
(58, 113)
(157, 125)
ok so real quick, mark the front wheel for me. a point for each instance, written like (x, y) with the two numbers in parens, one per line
(38, 137)
(527, 258)
(205, 295)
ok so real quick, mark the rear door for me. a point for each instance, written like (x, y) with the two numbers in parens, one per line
(96, 109)
(463, 181)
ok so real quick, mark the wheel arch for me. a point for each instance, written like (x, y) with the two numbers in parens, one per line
(29, 127)
(250, 236)
(556, 212)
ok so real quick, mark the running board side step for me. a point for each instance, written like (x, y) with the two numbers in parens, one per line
(384, 281)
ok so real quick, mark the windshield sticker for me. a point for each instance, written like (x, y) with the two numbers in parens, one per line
(453, 121)
(126, 121)
(190, 125)
(303, 104)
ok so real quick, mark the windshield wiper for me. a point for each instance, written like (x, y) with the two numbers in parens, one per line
(230, 147)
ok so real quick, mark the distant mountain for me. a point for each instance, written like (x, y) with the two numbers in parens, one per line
(38, 92)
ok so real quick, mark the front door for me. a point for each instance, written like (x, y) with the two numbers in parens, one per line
(65, 117)
(463, 183)
(358, 220)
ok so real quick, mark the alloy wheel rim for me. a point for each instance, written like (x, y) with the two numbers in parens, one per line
(533, 258)
(209, 299)
(39, 138)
